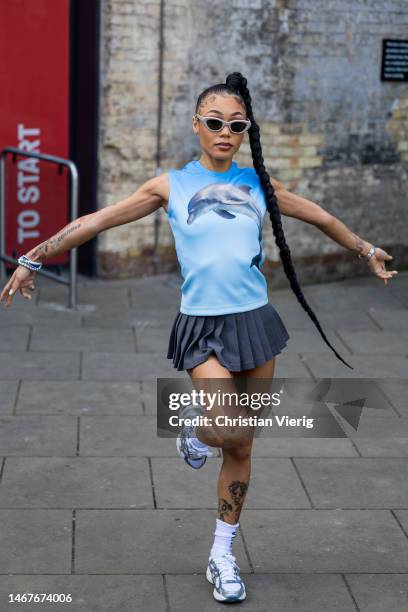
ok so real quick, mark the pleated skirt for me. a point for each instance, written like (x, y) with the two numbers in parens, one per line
(241, 340)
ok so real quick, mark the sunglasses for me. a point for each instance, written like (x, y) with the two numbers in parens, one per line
(237, 126)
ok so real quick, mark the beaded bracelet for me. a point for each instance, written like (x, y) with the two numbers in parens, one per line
(28, 263)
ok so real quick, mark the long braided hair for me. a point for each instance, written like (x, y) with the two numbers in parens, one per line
(236, 85)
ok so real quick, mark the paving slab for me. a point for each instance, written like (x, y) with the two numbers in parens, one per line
(127, 366)
(95, 293)
(355, 482)
(401, 294)
(304, 447)
(366, 366)
(377, 428)
(377, 295)
(124, 436)
(325, 541)
(89, 593)
(367, 343)
(38, 435)
(130, 318)
(35, 541)
(39, 365)
(76, 482)
(391, 320)
(308, 341)
(274, 484)
(382, 447)
(14, 337)
(345, 318)
(146, 541)
(152, 339)
(49, 315)
(86, 339)
(266, 593)
(379, 592)
(8, 394)
(396, 391)
(79, 398)
(402, 516)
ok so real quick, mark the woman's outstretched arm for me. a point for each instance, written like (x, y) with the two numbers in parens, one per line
(293, 205)
(146, 199)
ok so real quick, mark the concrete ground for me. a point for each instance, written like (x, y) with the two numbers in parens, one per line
(94, 504)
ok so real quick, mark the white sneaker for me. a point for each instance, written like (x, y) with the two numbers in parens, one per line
(193, 458)
(222, 572)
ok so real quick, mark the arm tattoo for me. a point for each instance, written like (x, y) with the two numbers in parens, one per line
(47, 248)
(68, 231)
(359, 244)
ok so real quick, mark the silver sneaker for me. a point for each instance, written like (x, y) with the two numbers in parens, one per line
(222, 572)
(191, 457)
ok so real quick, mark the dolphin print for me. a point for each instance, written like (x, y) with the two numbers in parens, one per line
(225, 200)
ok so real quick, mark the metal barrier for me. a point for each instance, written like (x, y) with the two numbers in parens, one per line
(73, 196)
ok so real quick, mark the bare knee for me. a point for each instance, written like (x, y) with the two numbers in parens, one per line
(240, 451)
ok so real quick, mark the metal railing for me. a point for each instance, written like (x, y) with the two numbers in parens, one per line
(73, 196)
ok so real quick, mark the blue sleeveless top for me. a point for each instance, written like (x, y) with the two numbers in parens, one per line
(216, 219)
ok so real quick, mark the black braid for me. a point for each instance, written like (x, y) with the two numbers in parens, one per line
(236, 84)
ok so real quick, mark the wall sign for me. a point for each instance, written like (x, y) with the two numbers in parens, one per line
(394, 62)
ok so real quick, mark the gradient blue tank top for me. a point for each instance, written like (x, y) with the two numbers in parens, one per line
(216, 219)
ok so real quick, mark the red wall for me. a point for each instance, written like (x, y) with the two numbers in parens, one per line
(34, 116)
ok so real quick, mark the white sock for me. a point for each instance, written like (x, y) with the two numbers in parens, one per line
(224, 537)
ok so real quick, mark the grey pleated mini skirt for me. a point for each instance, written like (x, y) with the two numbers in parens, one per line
(241, 340)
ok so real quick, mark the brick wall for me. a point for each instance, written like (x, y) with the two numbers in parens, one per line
(330, 129)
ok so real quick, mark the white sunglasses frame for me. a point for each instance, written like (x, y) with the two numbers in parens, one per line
(203, 120)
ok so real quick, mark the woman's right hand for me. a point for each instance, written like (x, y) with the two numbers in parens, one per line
(22, 279)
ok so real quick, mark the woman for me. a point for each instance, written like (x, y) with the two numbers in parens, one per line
(226, 328)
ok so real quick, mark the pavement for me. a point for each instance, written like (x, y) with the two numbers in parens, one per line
(94, 504)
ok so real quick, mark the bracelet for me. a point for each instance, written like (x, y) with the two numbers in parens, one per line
(28, 263)
(369, 254)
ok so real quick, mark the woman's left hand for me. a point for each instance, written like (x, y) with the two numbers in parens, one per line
(376, 263)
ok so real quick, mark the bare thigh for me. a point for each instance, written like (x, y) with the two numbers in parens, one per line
(204, 377)
(212, 368)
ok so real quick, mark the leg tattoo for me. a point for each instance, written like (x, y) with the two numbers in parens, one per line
(237, 490)
(223, 508)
